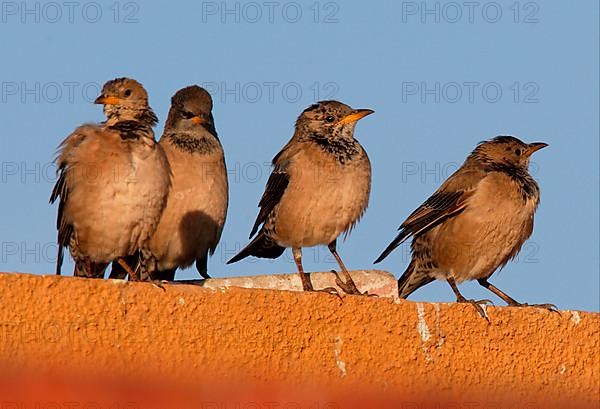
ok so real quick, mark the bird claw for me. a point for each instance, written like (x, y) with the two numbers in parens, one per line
(331, 291)
(350, 288)
(549, 307)
(159, 284)
(478, 305)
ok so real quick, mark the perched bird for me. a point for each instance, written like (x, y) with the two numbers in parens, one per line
(113, 182)
(475, 223)
(192, 222)
(319, 188)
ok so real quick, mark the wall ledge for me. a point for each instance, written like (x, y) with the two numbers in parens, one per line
(216, 330)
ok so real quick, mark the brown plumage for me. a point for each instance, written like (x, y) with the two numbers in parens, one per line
(192, 222)
(113, 181)
(319, 188)
(476, 222)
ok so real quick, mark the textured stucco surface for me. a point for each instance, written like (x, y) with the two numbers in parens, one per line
(195, 333)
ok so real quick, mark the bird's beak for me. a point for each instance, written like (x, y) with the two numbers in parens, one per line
(104, 100)
(534, 147)
(197, 120)
(356, 115)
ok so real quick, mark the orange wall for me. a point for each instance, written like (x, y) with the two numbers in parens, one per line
(192, 335)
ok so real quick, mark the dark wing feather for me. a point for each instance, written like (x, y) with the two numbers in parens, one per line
(449, 200)
(436, 209)
(60, 192)
(276, 185)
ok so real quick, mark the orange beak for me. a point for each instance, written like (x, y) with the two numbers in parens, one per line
(107, 100)
(198, 120)
(356, 115)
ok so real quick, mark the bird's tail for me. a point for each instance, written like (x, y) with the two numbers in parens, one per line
(59, 259)
(395, 243)
(412, 280)
(62, 240)
(262, 246)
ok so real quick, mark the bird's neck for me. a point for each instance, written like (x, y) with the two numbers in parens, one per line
(343, 149)
(116, 114)
(193, 142)
(133, 130)
(527, 185)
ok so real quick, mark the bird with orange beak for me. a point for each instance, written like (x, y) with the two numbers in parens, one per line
(475, 223)
(319, 189)
(113, 182)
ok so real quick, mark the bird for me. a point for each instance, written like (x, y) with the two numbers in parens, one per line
(191, 224)
(318, 189)
(112, 183)
(475, 223)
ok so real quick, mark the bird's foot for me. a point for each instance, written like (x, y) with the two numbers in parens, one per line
(478, 305)
(549, 307)
(308, 287)
(159, 284)
(331, 291)
(326, 290)
(350, 288)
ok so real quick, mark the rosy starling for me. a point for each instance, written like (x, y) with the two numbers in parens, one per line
(319, 188)
(113, 181)
(475, 223)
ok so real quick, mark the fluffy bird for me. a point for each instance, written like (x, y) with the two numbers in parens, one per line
(319, 188)
(192, 222)
(113, 182)
(475, 223)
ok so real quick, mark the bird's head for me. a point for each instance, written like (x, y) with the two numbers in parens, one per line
(190, 111)
(507, 150)
(126, 99)
(330, 119)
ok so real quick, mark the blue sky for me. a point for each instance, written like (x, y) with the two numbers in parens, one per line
(441, 77)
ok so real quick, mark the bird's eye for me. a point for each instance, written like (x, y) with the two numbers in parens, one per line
(187, 114)
(329, 118)
(518, 151)
(127, 92)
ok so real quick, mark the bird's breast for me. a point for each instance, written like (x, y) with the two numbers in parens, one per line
(489, 232)
(323, 199)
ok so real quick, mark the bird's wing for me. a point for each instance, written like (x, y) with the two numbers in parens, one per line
(276, 185)
(449, 200)
(60, 191)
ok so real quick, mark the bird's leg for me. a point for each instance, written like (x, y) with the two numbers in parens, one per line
(201, 266)
(475, 303)
(306, 284)
(88, 267)
(511, 301)
(348, 285)
(83, 267)
(147, 269)
(133, 275)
